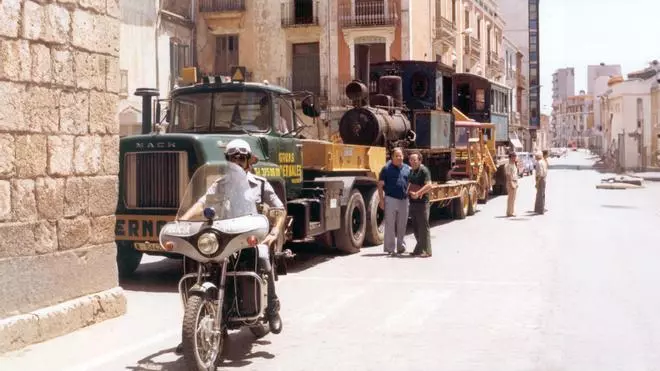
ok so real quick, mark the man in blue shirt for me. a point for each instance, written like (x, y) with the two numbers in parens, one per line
(393, 192)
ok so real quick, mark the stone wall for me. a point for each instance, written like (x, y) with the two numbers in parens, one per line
(59, 81)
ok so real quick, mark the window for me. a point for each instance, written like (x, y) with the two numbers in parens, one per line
(226, 53)
(453, 11)
(179, 58)
(480, 101)
(467, 19)
(479, 28)
(178, 7)
(286, 115)
(532, 24)
(533, 56)
(226, 111)
(533, 8)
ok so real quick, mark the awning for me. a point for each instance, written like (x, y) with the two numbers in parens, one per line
(516, 143)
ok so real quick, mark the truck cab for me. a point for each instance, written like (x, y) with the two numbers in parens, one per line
(200, 120)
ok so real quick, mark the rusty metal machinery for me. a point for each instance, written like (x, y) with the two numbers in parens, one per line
(371, 126)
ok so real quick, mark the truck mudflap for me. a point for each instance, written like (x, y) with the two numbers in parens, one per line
(141, 230)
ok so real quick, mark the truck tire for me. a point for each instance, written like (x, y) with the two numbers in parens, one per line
(375, 234)
(484, 188)
(128, 259)
(351, 233)
(474, 200)
(460, 205)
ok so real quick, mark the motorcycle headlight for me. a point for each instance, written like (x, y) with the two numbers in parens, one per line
(208, 243)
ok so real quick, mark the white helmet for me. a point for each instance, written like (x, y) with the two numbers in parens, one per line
(238, 146)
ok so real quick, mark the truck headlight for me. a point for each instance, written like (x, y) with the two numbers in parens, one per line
(208, 243)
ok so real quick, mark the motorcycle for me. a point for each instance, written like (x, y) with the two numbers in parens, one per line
(229, 290)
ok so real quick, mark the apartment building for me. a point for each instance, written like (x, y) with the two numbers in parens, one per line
(155, 43)
(563, 84)
(596, 71)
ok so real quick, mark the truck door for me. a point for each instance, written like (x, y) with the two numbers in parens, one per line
(289, 149)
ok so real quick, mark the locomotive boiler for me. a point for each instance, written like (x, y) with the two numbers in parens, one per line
(409, 106)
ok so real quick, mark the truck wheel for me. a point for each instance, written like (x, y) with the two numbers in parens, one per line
(484, 188)
(474, 200)
(350, 235)
(128, 259)
(460, 206)
(375, 234)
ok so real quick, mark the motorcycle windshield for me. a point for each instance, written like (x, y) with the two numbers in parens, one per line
(223, 187)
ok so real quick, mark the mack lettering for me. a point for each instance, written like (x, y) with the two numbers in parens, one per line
(155, 145)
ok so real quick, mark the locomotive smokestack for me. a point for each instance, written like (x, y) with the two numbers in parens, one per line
(362, 73)
(146, 94)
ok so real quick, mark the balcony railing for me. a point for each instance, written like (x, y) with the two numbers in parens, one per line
(296, 15)
(493, 58)
(215, 6)
(368, 14)
(475, 45)
(445, 30)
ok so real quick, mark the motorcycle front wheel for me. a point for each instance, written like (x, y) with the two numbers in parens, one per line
(202, 346)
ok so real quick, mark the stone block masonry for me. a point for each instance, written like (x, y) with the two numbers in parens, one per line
(59, 80)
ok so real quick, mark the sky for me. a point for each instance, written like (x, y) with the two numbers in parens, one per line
(578, 33)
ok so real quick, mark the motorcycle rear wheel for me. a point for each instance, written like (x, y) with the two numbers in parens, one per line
(192, 321)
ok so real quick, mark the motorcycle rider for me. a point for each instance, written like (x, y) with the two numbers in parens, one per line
(238, 152)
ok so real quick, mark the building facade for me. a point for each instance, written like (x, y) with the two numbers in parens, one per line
(628, 125)
(655, 123)
(599, 70)
(563, 84)
(155, 43)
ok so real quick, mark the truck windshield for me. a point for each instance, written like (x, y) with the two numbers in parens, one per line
(219, 112)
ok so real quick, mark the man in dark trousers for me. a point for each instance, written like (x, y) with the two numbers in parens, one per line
(420, 184)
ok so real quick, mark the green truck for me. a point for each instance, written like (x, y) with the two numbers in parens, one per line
(329, 189)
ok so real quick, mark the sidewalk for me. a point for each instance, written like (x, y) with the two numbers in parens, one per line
(650, 176)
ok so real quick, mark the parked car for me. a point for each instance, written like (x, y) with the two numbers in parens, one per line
(525, 163)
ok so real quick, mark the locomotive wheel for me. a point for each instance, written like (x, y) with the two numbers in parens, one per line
(474, 200)
(460, 206)
(375, 234)
(350, 235)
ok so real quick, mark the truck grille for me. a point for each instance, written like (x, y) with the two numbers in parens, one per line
(155, 179)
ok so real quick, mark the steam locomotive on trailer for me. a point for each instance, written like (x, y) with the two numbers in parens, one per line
(329, 189)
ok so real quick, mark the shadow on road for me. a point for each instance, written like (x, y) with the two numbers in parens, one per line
(238, 350)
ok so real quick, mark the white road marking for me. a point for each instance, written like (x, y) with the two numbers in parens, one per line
(323, 309)
(111, 356)
(421, 305)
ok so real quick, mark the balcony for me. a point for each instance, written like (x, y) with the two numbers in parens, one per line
(300, 14)
(368, 14)
(445, 30)
(222, 14)
(472, 47)
(220, 6)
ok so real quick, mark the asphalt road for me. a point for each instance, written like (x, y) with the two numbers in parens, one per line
(574, 289)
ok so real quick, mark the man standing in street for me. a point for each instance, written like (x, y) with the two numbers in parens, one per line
(393, 193)
(541, 172)
(420, 184)
(511, 184)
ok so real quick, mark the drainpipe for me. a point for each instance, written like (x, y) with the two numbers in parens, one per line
(193, 32)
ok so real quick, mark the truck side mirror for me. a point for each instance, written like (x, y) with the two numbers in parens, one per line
(309, 108)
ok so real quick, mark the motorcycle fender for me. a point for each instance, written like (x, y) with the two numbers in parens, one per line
(207, 289)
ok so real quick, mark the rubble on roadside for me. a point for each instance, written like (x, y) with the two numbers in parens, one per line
(620, 182)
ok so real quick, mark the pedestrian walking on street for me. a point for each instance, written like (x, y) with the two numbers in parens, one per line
(546, 157)
(393, 192)
(511, 184)
(420, 184)
(541, 173)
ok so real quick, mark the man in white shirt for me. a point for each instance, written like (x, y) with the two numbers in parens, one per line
(511, 183)
(541, 174)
